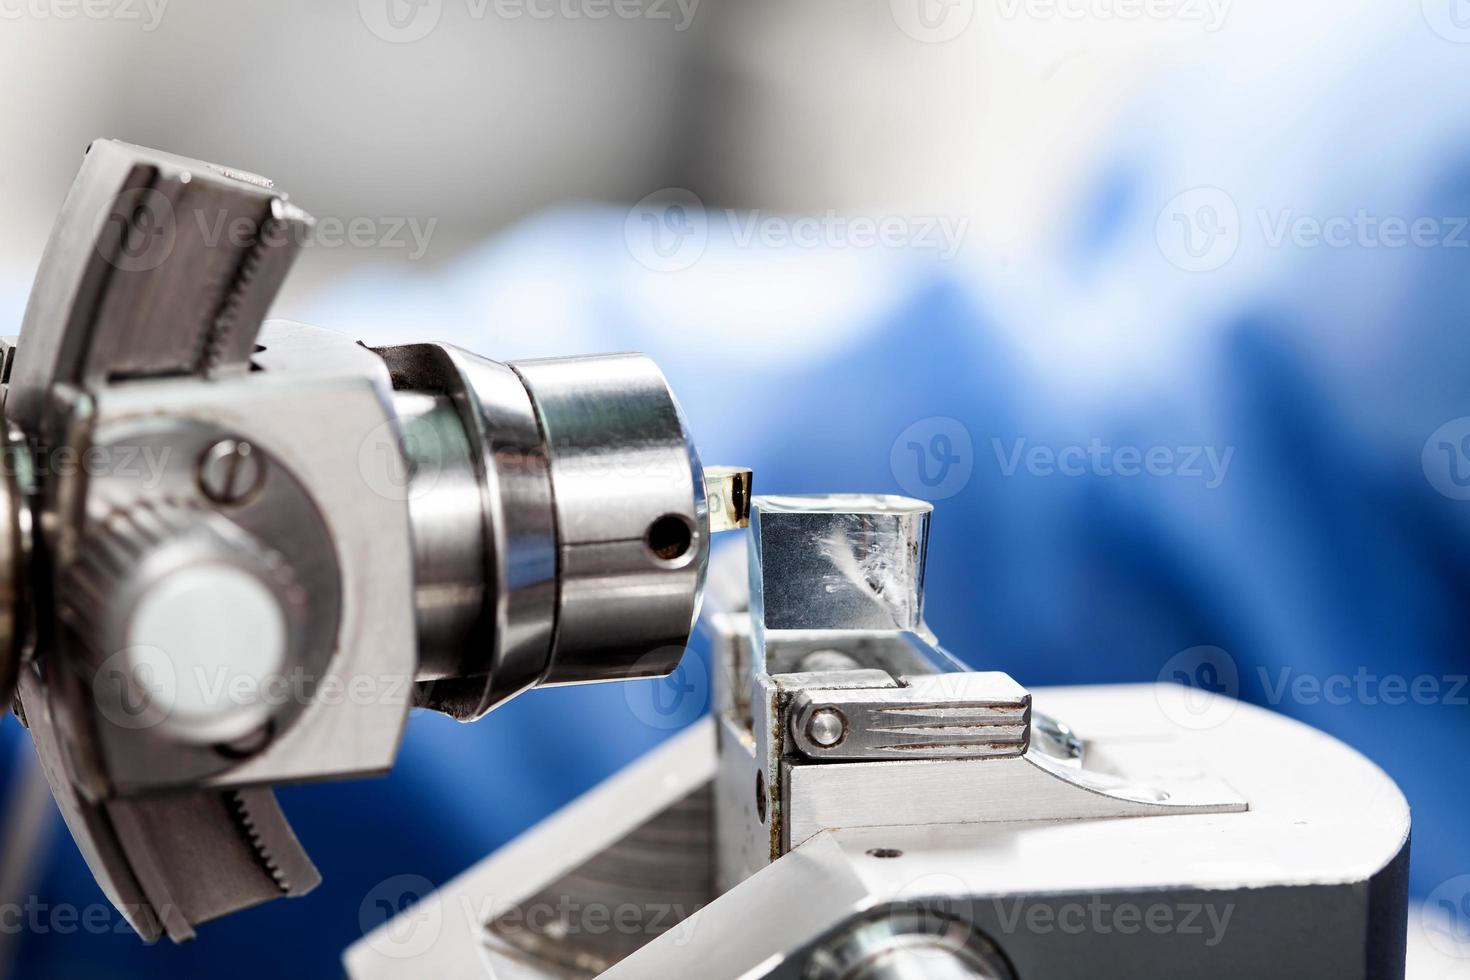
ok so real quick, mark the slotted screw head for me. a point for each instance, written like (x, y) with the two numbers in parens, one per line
(230, 471)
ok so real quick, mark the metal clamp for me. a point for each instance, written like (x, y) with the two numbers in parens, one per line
(942, 716)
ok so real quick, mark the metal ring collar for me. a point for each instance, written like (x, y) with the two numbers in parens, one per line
(497, 549)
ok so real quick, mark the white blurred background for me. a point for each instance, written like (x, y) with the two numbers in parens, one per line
(499, 111)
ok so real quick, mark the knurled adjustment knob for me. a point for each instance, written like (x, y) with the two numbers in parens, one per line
(191, 623)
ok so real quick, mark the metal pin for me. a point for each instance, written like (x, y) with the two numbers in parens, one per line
(827, 727)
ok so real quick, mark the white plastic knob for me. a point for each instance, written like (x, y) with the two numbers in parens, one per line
(214, 638)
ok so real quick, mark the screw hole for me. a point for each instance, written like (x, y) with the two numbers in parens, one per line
(670, 538)
(760, 795)
(885, 852)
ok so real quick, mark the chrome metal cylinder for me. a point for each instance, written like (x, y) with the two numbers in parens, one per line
(632, 523)
(908, 943)
(905, 963)
(449, 546)
(560, 526)
(479, 494)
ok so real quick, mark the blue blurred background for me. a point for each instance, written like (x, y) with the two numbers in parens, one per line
(1166, 310)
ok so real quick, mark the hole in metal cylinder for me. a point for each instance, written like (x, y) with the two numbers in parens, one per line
(670, 537)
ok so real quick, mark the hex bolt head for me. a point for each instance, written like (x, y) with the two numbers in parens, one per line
(827, 728)
(230, 471)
